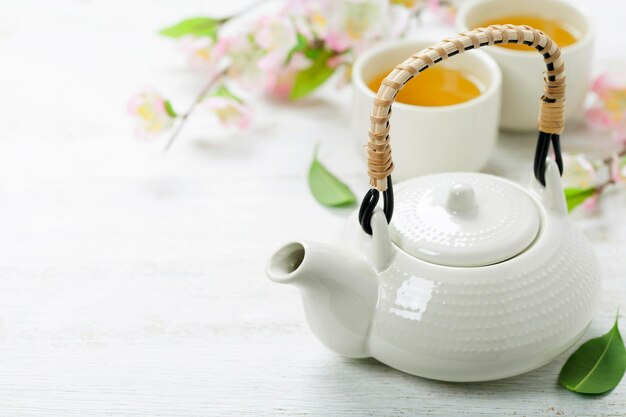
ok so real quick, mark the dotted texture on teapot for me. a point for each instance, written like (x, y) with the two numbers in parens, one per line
(525, 306)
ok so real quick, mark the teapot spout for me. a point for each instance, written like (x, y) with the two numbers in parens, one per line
(339, 291)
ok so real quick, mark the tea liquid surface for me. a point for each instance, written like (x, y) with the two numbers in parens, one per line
(437, 86)
(553, 28)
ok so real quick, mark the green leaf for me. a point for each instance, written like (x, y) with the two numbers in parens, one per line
(576, 196)
(327, 189)
(597, 366)
(223, 91)
(313, 53)
(302, 44)
(169, 109)
(312, 77)
(196, 26)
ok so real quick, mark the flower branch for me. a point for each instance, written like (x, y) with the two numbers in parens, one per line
(582, 177)
(192, 107)
(287, 55)
(587, 180)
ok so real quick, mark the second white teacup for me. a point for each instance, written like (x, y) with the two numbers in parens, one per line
(429, 139)
(521, 70)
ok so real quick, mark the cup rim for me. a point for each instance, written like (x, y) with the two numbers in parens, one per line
(493, 87)
(468, 5)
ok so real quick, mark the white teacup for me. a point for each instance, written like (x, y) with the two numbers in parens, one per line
(522, 70)
(459, 137)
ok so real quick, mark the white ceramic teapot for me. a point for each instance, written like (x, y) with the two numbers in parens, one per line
(475, 278)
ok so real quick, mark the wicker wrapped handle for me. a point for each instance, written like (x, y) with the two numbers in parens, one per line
(551, 114)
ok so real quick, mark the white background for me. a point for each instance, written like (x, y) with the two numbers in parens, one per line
(132, 281)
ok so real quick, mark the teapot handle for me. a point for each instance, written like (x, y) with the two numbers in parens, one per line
(551, 111)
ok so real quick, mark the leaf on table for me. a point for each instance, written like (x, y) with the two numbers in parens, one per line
(196, 26)
(327, 189)
(312, 77)
(597, 366)
(576, 196)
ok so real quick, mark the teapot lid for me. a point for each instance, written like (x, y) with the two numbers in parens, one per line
(463, 219)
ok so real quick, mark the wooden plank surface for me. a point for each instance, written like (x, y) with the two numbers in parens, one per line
(132, 282)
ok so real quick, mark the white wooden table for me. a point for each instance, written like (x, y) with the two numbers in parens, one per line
(132, 282)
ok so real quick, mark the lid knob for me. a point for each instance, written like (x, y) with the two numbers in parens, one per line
(461, 198)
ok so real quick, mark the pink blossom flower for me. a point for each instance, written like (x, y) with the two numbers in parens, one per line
(591, 203)
(300, 12)
(599, 119)
(337, 60)
(242, 55)
(619, 134)
(608, 111)
(611, 88)
(154, 114)
(433, 5)
(349, 24)
(338, 41)
(618, 169)
(445, 13)
(579, 172)
(276, 36)
(353, 24)
(271, 62)
(202, 52)
(279, 82)
(229, 111)
(312, 17)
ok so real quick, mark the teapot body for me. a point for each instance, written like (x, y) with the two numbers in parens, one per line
(488, 322)
(366, 296)
(484, 323)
